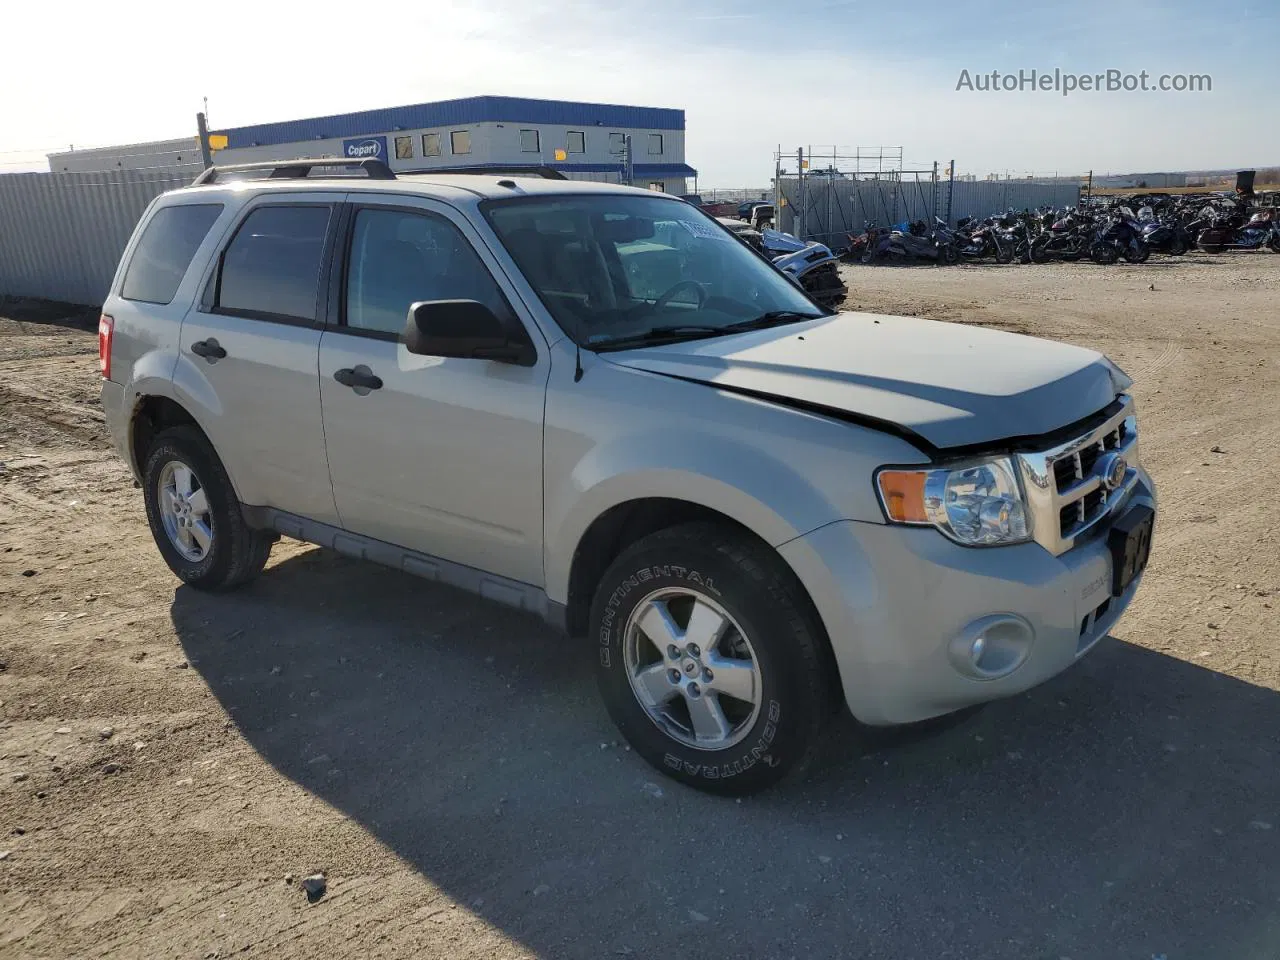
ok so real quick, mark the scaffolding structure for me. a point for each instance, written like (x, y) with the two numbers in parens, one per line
(824, 190)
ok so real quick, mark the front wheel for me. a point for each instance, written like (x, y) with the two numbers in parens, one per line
(1040, 252)
(195, 515)
(1178, 246)
(1273, 243)
(709, 660)
(1004, 253)
(1104, 253)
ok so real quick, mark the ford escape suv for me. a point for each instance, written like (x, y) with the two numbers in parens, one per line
(598, 405)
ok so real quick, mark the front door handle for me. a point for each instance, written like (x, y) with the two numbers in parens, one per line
(209, 349)
(360, 379)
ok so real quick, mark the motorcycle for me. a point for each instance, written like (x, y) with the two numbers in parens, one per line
(1260, 229)
(1067, 238)
(1121, 236)
(1167, 236)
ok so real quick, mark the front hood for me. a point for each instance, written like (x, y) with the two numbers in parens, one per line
(944, 384)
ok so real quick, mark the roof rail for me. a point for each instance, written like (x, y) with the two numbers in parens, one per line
(508, 170)
(295, 169)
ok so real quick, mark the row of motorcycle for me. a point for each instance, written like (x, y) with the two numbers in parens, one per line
(1103, 234)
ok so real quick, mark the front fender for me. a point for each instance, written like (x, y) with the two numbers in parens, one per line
(759, 491)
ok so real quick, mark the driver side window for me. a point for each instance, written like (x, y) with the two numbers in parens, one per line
(399, 257)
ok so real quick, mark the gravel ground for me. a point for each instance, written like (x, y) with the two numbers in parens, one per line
(173, 764)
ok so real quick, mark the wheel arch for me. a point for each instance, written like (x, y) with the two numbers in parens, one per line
(152, 414)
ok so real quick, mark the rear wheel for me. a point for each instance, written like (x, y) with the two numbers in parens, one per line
(1040, 252)
(1177, 246)
(195, 515)
(709, 659)
(1274, 243)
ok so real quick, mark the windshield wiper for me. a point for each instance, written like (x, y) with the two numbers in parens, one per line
(672, 333)
(773, 318)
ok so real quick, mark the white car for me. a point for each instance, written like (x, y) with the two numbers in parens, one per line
(595, 404)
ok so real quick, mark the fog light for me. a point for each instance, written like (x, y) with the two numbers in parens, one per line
(992, 647)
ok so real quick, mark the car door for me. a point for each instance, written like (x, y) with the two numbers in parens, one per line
(249, 351)
(444, 456)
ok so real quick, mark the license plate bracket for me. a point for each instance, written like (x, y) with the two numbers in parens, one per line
(1130, 543)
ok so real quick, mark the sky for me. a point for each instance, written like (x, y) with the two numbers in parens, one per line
(751, 75)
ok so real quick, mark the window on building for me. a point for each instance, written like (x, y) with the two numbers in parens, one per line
(460, 141)
(404, 148)
(399, 258)
(655, 143)
(576, 141)
(164, 253)
(617, 143)
(658, 186)
(272, 265)
(431, 144)
(529, 142)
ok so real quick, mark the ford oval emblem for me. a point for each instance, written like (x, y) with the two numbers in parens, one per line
(1114, 469)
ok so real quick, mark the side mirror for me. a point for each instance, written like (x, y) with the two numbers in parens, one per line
(466, 329)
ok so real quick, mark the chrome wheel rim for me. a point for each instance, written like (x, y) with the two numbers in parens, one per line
(184, 511)
(692, 669)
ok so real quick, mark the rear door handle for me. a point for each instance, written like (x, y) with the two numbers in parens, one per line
(209, 349)
(358, 378)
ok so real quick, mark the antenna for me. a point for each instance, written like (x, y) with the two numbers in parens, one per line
(206, 109)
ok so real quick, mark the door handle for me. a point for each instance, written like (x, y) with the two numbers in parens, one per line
(358, 378)
(209, 349)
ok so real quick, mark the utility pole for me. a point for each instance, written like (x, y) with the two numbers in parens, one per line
(951, 189)
(202, 130)
(800, 219)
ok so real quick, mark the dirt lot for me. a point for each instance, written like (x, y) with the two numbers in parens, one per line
(168, 759)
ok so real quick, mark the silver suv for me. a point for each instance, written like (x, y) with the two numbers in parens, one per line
(598, 405)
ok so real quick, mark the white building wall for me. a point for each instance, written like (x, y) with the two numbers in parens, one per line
(157, 154)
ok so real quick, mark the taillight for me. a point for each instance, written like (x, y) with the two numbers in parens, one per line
(106, 327)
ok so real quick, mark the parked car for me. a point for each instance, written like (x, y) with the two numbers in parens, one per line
(744, 208)
(594, 404)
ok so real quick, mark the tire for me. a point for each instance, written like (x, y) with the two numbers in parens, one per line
(1143, 254)
(1040, 253)
(1177, 246)
(950, 255)
(1273, 243)
(1004, 254)
(1104, 253)
(769, 628)
(232, 552)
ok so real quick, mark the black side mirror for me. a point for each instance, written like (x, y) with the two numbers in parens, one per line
(466, 329)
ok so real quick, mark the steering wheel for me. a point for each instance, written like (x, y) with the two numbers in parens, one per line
(662, 301)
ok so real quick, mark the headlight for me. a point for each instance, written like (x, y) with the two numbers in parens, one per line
(978, 504)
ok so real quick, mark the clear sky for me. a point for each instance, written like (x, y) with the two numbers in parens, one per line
(749, 74)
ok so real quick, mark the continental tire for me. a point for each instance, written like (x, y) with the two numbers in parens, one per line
(195, 516)
(710, 660)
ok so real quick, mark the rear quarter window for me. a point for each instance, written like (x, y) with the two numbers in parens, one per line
(169, 241)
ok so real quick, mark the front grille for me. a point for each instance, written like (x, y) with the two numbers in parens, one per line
(1066, 486)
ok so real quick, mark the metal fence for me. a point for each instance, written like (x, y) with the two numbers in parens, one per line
(828, 209)
(61, 234)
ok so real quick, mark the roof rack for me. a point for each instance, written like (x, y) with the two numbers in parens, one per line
(295, 169)
(512, 170)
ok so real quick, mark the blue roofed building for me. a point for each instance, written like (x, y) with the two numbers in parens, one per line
(587, 141)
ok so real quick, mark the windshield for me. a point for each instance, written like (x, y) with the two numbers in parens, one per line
(624, 270)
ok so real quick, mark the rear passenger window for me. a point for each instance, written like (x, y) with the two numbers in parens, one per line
(271, 267)
(162, 256)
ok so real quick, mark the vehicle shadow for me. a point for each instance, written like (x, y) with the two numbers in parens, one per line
(1129, 808)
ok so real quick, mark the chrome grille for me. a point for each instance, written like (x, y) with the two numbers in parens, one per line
(1067, 491)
